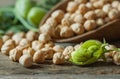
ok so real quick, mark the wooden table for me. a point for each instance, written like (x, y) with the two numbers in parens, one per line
(99, 70)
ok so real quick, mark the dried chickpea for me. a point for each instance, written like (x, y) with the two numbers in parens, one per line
(67, 52)
(100, 13)
(113, 14)
(57, 32)
(82, 8)
(67, 15)
(44, 38)
(115, 4)
(106, 8)
(99, 4)
(49, 44)
(31, 35)
(72, 6)
(76, 47)
(80, 1)
(1, 43)
(26, 60)
(118, 8)
(90, 6)
(51, 21)
(49, 52)
(72, 17)
(100, 21)
(58, 58)
(37, 45)
(29, 51)
(58, 15)
(116, 58)
(7, 46)
(79, 19)
(5, 38)
(39, 57)
(18, 37)
(77, 28)
(15, 55)
(66, 32)
(90, 15)
(90, 25)
(58, 48)
(65, 22)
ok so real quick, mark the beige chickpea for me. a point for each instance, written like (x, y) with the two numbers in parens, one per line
(90, 15)
(67, 15)
(79, 19)
(80, 1)
(82, 8)
(58, 59)
(58, 15)
(72, 17)
(65, 22)
(18, 37)
(76, 47)
(1, 43)
(116, 58)
(100, 21)
(77, 28)
(57, 31)
(47, 29)
(44, 38)
(15, 55)
(37, 45)
(100, 13)
(72, 6)
(106, 8)
(26, 60)
(5, 38)
(90, 6)
(49, 44)
(113, 14)
(51, 21)
(118, 8)
(29, 51)
(49, 52)
(39, 57)
(31, 35)
(115, 4)
(67, 52)
(99, 4)
(7, 46)
(90, 25)
(66, 32)
(58, 48)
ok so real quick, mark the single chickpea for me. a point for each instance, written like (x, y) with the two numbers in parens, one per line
(26, 60)
(79, 19)
(116, 58)
(66, 32)
(77, 28)
(44, 38)
(24, 43)
(58, 58)
(100, 13)
(31, 35)
(51, 21)
(80, 1)
(107, 7)
(67, 52)
(15, 55)
(49, 44)
(7, 46)
(1, 43)
(5, 38)
(90, 25)
(72, 6)
(18, 37)
(82, 8)
(90, 15)
(58, 15)
(49, 52)
(100, 21)
(39, 57)
(29, 51)
(113, 14)
(47, 29)
(57, 32)
(65, 22)
(58, 48)
(37, 45)
(99, 4)
(72, 17)
(67, 15)
(90, 6)
(115, 4)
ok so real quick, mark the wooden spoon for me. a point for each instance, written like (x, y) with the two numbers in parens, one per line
(109, 31)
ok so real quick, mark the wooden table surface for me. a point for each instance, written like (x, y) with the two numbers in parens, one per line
(99, 70)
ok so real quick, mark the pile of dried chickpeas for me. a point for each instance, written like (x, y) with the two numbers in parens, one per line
(80, 16)
(31, 47)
